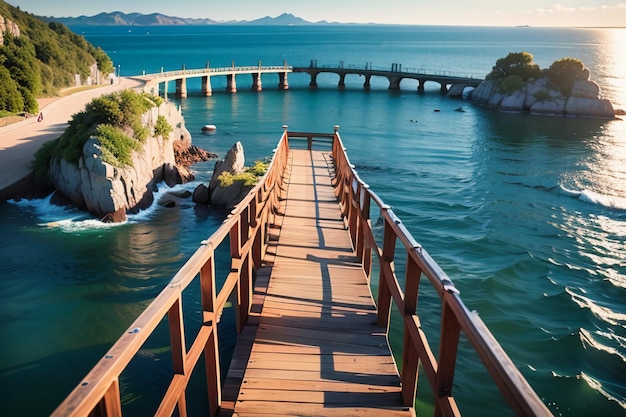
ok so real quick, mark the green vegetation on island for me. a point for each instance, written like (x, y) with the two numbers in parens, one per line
(41, 59)
(115, 120)
(513, 71)
(250, 176)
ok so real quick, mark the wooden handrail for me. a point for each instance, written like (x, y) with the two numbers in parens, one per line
(355, 198)
(247, 228)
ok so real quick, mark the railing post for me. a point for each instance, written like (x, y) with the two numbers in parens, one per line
(110, 405)
(386, 267)
(177, 337)
(448, 347)
(410, 355)
(365, 228)
(211, 350)
(354, 207)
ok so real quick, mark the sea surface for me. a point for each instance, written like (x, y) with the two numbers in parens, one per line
(526, 214)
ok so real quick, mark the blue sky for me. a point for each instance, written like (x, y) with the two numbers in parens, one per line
(415, 12)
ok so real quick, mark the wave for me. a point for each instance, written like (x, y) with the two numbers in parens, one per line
(592, 197)
(601, 312)
(69, 219)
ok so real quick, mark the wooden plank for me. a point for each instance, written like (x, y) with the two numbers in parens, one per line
(317, 349)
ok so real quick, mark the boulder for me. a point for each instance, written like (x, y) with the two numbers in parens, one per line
(228, 196)
(8, 26)
(234, 163)
(201, 195)
(514, 102)
(589, 107)
(549, 107)
(585, 89)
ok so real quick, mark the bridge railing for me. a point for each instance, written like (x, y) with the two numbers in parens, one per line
(245, 231)
(397, 68)
(220, 70)
(355, 199)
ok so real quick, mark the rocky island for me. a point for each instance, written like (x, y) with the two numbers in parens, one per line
(517, 84)
(112, 156)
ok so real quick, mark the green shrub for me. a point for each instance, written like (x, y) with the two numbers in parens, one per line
(162, 128)
(42, 161)
(116, 146)
(511, 84)
(542, 95)
(107, 118)
(249, 177)
(564, 72)
(515, 63)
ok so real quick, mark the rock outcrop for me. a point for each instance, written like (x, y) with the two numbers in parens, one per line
(8, 26)
(108, 191)
(225, 196)
(539, 97)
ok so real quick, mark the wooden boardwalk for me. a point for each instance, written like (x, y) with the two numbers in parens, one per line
(312, 346)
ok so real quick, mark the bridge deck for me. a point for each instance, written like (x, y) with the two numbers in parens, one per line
(311, 346)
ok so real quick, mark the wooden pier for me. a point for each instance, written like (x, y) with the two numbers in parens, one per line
(312, 341)
(317, 349)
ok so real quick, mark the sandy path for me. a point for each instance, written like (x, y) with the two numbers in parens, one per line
(19, 141)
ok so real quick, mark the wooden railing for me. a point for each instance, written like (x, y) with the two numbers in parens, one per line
(355, 198)
(246, 228)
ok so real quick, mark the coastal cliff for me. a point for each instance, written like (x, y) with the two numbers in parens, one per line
(108, 178)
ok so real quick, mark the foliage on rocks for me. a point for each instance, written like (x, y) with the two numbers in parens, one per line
(517, 68)
(114, 119)
(515, 63)
(249, 177)
(162, 127)
(564, 72)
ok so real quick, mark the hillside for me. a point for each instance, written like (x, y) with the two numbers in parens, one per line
(38, 58)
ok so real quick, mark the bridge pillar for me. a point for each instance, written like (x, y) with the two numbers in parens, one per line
(366, 84)
(231, 84)
(283, 83)
(394, 82)
(181, 87)
(420, 86)
(444, 88)
(207, 91)
(313, 83)
(165, 87)
(256, 82)
(342, 81)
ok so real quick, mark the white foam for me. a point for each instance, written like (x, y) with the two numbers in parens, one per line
(592, 197)
(71, 220)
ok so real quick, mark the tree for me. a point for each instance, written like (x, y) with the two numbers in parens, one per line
(10, 98)
(516, 63)
(564, 72)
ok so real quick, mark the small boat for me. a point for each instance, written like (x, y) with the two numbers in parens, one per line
(209, 128)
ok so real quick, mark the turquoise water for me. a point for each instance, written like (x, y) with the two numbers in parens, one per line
(526, 214)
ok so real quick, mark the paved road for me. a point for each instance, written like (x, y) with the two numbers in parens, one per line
(19, 141)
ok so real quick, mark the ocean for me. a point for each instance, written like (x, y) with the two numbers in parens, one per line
(526, 214)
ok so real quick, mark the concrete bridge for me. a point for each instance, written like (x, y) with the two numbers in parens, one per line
(153, 81)
(450, 83)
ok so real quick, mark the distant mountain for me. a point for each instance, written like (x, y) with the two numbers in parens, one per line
(129, 19)
(284, 19)
(158, 19)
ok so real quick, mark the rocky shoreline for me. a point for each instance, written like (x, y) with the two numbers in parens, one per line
(538, 97)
